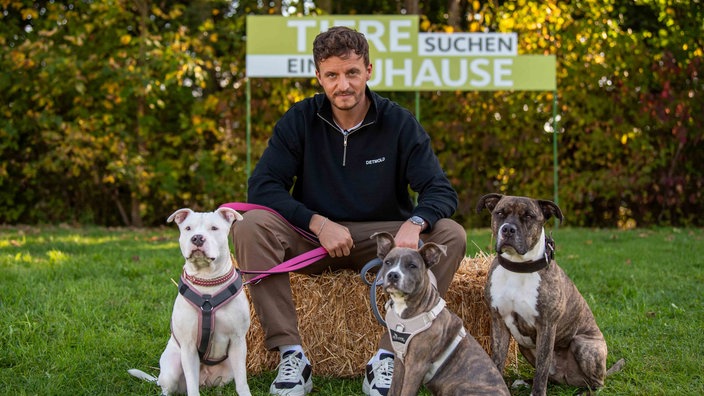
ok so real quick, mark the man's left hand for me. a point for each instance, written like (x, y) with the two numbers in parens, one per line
(408, 235)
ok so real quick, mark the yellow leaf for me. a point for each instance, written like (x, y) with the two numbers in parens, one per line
(175, 13)
(125, 39)
(18, 58)
(157, 11)
(425, 25)
(29, 13)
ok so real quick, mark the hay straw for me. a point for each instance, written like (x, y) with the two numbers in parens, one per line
(339, 330)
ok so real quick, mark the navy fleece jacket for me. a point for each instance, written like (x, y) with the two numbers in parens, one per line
(311, 166)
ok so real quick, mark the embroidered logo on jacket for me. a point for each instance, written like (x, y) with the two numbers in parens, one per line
(375, 161)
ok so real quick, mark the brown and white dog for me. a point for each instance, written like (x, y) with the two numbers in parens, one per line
(531, 298)
(210, 317)
(430, 343)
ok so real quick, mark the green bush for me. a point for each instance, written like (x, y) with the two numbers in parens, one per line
(119, 114)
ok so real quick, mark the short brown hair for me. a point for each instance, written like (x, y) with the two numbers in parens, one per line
(339, 41)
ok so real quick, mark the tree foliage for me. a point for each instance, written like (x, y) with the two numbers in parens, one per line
(119, 112)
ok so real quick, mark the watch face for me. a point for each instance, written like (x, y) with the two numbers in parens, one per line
(417, 220)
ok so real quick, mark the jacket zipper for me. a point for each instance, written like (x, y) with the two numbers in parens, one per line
(345, 134)
(344, 150)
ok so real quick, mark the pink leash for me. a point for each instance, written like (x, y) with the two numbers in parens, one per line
(292, 264)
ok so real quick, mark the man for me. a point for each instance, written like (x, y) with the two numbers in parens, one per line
(350, 156)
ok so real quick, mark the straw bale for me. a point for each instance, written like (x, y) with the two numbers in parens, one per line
(340, 332)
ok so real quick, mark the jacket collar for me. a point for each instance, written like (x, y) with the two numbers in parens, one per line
(326, 107)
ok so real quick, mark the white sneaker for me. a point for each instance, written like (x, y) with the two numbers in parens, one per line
(377, 379)
(294, 377)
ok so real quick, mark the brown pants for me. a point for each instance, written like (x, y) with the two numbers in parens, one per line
(263, 241)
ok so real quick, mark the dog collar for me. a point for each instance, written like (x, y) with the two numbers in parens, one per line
(531, 266)
(210, 282)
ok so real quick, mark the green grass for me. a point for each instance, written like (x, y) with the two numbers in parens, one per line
(80, 306)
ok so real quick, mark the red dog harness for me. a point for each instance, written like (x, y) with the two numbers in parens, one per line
(207, 305)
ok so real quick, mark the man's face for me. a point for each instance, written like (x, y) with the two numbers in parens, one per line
(344, 80)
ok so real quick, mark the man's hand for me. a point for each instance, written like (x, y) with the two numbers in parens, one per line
(408, 235)
(335, 238)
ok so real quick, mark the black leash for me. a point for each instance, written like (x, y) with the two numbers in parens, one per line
(376, 262)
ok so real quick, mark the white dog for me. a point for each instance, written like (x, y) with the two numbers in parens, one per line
(211, 313)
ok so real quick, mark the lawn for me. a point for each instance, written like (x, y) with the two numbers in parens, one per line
(80, 306)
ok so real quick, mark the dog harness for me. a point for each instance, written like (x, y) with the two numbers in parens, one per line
(402, 331)
(206, 305)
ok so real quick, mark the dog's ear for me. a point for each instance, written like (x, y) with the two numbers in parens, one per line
(384, 243)
(229, 214)
(431, 253)
(549, 209)
(489, 202)
(179, 216)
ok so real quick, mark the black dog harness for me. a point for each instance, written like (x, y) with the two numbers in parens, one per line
(207, 305)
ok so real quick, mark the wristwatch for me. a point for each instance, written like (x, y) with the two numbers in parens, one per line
(417, 220)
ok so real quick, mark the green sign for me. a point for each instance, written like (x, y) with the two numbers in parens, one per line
(403, 59)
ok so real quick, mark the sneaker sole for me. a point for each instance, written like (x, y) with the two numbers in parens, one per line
(367, 389)
(307, 388)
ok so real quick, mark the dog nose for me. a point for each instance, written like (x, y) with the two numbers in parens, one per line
(198, 240)
(508, 230)
(393, 276)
